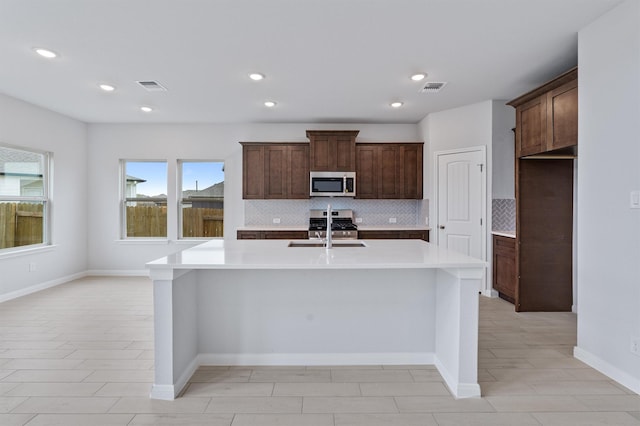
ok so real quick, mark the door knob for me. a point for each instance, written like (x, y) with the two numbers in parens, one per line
(441, 226)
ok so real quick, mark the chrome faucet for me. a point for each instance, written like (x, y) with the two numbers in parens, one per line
(329, 243)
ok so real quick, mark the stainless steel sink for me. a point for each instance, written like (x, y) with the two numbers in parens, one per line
(319, 244)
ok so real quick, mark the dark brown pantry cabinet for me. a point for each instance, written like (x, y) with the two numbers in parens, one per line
(332, 150)
(275, 170)
(546, 147)
(389, 170)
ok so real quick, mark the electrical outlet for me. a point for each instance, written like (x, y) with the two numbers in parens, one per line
(392, 220)
(635, 346)
(32, 266)
(276, 220)
(426, 221)
(358, 220)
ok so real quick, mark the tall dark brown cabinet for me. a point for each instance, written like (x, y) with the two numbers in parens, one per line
(546, 148)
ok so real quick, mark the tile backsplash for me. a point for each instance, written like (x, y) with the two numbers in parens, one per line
(503, 214)
(372, 212)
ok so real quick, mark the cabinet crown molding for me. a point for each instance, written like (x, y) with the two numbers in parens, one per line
(568, 76)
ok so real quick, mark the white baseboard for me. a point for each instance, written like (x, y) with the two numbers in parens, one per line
(42, 286)
(607, 369)
(118, 273)
(318, 359)
(165, 392)
(459, 390)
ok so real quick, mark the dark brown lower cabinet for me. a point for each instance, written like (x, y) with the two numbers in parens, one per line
(399, 234)
(273, 235)
(504, 267)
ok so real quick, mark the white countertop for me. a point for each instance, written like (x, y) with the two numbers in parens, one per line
(275, 254)
(508, 234)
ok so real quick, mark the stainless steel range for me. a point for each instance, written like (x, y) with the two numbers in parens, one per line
(342, 226)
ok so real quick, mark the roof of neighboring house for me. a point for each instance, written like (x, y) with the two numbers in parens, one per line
(214, 191)
(134, 179)
(13, 156)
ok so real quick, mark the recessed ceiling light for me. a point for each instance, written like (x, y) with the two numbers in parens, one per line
(269, 104)
(419, 77)
(256, 76)
(107, 87)
(396, 104)
(45, 53)
(146, 109)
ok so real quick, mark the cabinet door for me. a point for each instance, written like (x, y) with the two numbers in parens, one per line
(320, 153)
(249, 235)
(298, 172)
(253, 172)
(286, 235)
(504, 267)
(411, 171)
(332, 150)
(345, 151)
(366, 171)
(562, 116)
(378, 235)
(389, 184)
(414, 235)
(531, 120)
(275, 172)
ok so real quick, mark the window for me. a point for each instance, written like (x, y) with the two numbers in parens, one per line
(24, 189)
(201, 199)
(144, 189)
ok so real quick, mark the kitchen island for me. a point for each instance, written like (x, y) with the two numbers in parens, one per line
(367, 302)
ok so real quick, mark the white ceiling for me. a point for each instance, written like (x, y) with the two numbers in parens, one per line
(324, 60)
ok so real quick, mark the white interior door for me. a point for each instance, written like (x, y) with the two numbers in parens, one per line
(461, 187)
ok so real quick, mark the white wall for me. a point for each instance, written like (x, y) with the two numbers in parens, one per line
(464, 127)
(609, 158)
(28, 126)
(503, 151)
(108, 143)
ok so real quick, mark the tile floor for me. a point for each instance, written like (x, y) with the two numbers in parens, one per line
(82, 354)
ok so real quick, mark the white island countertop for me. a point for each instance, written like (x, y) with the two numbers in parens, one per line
(276, 254)
(261, 302)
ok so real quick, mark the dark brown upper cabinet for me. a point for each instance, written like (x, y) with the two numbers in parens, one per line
(275, 170)
(389, 170)
(547, 117)
(332, 150)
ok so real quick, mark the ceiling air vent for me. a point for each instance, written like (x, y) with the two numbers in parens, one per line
(432, 87)
(152, 86)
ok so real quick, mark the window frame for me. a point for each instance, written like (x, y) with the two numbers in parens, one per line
(124, 199)
(180, 198)
(45, 199)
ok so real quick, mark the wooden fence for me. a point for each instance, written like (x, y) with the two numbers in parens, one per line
(202, 222)
(146, 221)
(20, 224)
(151, 221)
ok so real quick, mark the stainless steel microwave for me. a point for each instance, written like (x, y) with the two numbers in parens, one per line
(332, 184)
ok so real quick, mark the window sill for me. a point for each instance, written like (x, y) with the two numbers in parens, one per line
(145, 241)
(18, 252)
(195, 240)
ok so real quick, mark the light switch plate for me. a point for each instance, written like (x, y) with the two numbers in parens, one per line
(634, 201)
